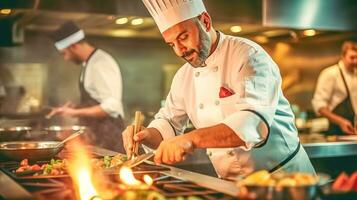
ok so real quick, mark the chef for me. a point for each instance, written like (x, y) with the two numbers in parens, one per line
(100, 87)
(230, 89)
(336, 92)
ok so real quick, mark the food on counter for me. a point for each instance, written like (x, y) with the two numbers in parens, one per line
(24, 166)
(345, 182)
(109, 161)
(53, 168)
(59, 167)
(280, 179)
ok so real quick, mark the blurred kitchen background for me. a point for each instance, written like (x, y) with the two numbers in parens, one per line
(34, 76)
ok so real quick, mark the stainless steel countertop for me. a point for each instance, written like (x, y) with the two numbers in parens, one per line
(331, 149)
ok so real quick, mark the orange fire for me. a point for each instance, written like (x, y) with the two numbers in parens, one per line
(127, 177)
(80, 171)
(86, 188)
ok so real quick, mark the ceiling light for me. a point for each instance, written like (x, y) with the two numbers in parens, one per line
(122, 20)
(137, 21)
(5, 11)
(309, 32)
(236, 29)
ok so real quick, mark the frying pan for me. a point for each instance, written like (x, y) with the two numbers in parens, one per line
(33, 150)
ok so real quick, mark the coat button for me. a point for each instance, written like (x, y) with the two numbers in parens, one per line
(197, 74)
(216, 102)
(209, 153)
(215, 69)
(201, 106)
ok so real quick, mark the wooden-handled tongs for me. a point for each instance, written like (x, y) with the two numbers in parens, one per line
(137, 127)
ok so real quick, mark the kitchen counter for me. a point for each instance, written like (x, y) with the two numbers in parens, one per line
(331, 154)
(320, 146)
(331, 149)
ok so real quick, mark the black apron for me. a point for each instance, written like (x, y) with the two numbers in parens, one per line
(343, 109)
(103, 132)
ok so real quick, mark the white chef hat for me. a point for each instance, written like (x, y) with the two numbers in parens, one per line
(168, 13)
(67, 34)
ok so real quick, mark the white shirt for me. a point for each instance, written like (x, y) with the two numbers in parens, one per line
(330, 89)
(248, 70)
(103, 82)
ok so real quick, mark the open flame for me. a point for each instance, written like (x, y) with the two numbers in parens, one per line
(148, 180)
(81, 174)
(127, 177)
(86, 188)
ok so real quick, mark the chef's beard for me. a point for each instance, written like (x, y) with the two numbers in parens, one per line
(75, 58)
(203, 48)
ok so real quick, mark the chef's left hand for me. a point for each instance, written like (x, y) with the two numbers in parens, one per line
(65, 110)
(173, 150)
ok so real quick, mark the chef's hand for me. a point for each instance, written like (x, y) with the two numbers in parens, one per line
(148, 136)
(65, 110)
(173, 150)
(128, 139)
(347, 127)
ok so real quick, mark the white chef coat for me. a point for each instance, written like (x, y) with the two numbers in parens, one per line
(330, 89)
(257, 103)
(103, 82)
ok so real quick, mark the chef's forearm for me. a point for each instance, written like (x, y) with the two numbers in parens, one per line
(94, 111)
(218, 136)
(153, 138)
(332, 117)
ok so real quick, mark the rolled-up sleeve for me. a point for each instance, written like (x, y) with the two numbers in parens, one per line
(104, 83)
(172, 117)
(323, 91)
(255, 110)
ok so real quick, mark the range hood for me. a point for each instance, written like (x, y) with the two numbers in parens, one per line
(98, 17)
(222, 10)
(338, 15)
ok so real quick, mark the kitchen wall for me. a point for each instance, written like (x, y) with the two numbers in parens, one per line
(300, 64)
(142, 62)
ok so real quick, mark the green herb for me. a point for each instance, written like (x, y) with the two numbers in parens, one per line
(107, 160)
(47, 169)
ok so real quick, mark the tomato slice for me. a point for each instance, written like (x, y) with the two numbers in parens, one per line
(35, 167)
(353, 181)
(341, 182)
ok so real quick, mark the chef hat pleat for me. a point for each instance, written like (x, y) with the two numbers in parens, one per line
(168, 13)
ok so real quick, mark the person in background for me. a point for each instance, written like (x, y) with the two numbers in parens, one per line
(230, 89)
(2, 93)
(100, 86)
(336, 92)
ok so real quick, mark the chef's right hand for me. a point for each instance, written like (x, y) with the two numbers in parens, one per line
(347, 127)
(129, 138)
(151, 137)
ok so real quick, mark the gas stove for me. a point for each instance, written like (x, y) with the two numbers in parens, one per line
(169, 181)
